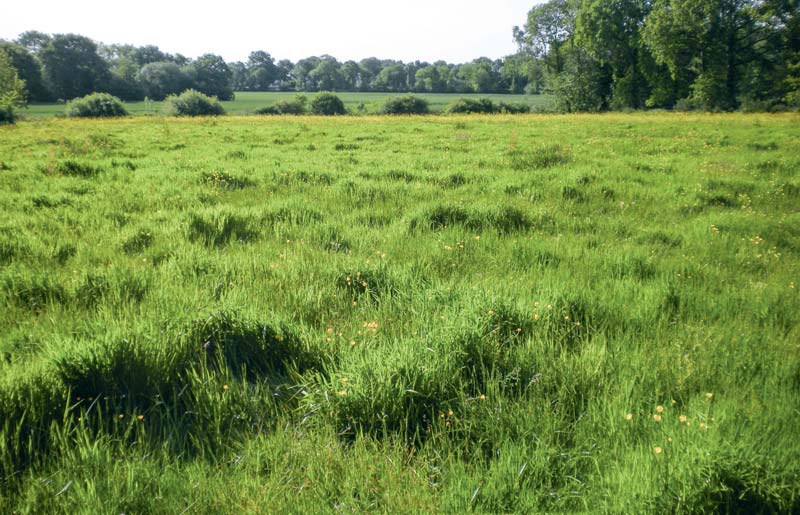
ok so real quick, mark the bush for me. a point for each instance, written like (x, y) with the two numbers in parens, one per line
(96, 105)
(408, 104)
(7, 115)
(12, 89)
(296, 106)
(472, 105)
(518, 108)
(327, 104)
(192, 103)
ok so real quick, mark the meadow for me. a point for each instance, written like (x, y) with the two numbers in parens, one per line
(358, 103)
(445, 314)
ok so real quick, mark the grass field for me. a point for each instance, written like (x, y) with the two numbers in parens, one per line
(248, 102)
(526, 314)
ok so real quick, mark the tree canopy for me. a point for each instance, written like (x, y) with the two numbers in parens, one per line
(591, 54)
(706, 54)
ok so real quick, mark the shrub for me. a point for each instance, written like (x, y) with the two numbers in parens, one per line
(12, 89)
(518, 108)
(327, 104)
(472, 105)
(7, 115)
(96, 105)
(192, 103)
(408, 104)
(296, 106)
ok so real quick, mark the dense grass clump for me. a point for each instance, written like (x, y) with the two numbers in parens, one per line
(496, 314)
(538, 156)
(504, 220)
(192, 103)
(218, 228)
(96, 105)
(72, 168)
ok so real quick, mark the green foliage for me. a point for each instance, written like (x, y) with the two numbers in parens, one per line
(538, 157)
(96, 105)
(7, 115)
(28, 69)
(327, 104)
(466, 105)
(631, 54)
(584, 85)
(296, 106)
(513, 108)
(405, 105)
(471, 315)
(72, 66)
(192, 103)
(363, 103)
(12, 89)
(162, 79)
(210, 75)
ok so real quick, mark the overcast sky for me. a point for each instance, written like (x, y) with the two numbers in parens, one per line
(451, 30)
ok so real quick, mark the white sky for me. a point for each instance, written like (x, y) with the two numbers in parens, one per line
(451, 30)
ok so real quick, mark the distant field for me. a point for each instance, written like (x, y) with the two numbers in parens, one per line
(247, 103)
(489, 314)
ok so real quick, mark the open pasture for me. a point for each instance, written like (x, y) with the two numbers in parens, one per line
(357, 103)
(433, 314)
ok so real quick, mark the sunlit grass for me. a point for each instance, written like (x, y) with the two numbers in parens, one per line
(438, 314)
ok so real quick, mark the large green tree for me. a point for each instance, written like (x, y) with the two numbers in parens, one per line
(480, 76)
(610, 32)
(29, 70)
(392, 78)
(704, 43)
(12, 89)
(34, 40)
(159, 80)
(210, 75)
(548, 31)
(326, 75)
(72, 66)
(773, 73)
(261, 71)
(352, 76)
(430, 80)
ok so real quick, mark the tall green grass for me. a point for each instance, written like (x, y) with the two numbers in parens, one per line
(492, 314)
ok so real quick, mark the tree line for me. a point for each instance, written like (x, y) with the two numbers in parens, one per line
(592, 55)
(65, 66)
(699, 54)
